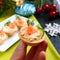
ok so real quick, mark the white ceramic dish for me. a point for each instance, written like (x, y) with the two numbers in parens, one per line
(13, 39)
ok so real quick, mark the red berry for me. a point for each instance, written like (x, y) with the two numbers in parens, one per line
(46, 7)
(1, 3)
(38, 10)
(53, 14)
(52, 7)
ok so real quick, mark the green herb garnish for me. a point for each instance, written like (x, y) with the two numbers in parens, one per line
(17, 18)
(7, 23)
(29, 22)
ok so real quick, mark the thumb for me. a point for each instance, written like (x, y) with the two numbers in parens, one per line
(42, 56)
(20, 52)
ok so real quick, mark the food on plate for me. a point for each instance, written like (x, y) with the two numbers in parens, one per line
(10, 28)
(31, 35)
(3, 36)
(20, 21)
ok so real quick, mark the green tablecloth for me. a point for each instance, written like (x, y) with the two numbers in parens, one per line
(51, 53)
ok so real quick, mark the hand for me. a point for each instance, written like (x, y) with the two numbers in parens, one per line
(35, 53)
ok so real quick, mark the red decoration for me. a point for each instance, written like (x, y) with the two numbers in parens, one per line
(38, 10)
(52, 7)
(46, 8)
(53, 14)
(2, 3)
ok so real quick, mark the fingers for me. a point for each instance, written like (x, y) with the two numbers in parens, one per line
(31, 53)
(42, 56)
(34, 51)
(41, 47)
(20, 52)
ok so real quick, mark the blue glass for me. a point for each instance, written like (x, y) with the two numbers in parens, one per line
(26, 9)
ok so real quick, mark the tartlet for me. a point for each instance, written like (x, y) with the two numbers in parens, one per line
(3, 36)
(31, 35)
(20, 21)
(10, 28)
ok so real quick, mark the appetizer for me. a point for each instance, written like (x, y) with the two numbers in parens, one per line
(31, 35)
(3, 37)
(20, 21)
(10, 28)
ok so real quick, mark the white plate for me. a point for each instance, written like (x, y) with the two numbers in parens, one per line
(13, 39)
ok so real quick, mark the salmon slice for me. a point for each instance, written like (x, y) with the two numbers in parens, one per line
(1, 32)
(12, 25)
(20, 22)
(30, 30)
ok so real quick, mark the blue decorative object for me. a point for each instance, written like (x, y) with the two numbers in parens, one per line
(26, 9)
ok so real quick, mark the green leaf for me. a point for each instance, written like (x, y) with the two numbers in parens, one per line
(17, 17)
(29, 22)
(40, 3)
(32, 23)
(7, 23)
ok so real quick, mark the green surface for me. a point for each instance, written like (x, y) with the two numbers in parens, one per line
(51, 53)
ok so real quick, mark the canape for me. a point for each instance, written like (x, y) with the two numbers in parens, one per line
(3, 36)
(31, 35)
(20, 22)
(10, 28)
